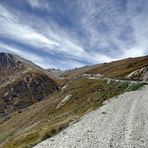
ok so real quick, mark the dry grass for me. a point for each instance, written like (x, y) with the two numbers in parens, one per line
(120, 69)
(42, 120)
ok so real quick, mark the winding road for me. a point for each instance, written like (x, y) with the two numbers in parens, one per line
(121, 122)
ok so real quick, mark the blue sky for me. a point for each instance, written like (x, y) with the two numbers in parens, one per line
(72, 33)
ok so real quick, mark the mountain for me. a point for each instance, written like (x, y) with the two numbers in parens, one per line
(22, 83)
(76, 72)
(55, 72)
(82, 90)
(131, 68)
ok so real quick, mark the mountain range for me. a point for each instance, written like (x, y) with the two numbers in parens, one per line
(22, 83)
(36, 103)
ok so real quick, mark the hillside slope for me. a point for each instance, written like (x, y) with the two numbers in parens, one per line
(44, 119)
(81, 93)
(73, 73)
(121, 122)
(22, 83)
(131, 68)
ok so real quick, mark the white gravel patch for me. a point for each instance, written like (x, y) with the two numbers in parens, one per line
(121, 123)
(66, 99)
(117, 80)
(65, 86)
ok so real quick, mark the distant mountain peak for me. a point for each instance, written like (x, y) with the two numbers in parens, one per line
(9, 62)
(56, 72)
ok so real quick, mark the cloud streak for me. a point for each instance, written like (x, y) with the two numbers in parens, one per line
(68, 34)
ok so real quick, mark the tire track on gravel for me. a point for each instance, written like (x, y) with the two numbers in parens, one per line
(124, 125)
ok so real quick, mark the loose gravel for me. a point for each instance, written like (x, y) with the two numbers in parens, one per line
(122, 122)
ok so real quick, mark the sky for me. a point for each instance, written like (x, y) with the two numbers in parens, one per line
(65, 34)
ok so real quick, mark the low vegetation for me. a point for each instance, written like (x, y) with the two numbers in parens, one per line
(86, 95)
(120, 69)
(53, 110)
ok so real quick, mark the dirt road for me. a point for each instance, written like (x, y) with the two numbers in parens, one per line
(121, 122)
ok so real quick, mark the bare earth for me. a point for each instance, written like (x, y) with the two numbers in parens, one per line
(121, 123)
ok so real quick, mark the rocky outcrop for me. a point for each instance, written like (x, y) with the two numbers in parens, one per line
(139, 74)
(21, 85)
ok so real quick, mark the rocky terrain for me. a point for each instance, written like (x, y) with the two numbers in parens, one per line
(37, 104)
(55, 72)
(122, 122)
(21, 83)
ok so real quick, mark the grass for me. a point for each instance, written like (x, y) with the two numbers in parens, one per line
(87, 95)
(27, 141)
(135, 87)
(120, 69)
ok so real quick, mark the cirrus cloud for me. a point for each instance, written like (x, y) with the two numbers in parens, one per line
(67, 34)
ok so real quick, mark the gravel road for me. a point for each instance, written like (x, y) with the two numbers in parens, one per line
(121, 122)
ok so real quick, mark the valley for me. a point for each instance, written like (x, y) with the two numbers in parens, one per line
(37, 104)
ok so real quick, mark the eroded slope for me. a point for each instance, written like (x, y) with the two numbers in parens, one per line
(21, 84)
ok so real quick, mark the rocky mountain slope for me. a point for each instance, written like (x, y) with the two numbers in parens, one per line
(55, 72)
(22, 83)
(82, 90)
(131, 68)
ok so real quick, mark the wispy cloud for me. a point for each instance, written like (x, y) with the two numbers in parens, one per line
(21, 32)
(27, 35)
(109, 23)
(20, 51)
(38, 4)
(43, 61)
(68, 34)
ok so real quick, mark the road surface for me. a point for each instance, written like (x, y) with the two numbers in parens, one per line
(121, 122)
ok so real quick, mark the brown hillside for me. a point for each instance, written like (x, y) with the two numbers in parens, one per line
(22, 84)
(120, 69)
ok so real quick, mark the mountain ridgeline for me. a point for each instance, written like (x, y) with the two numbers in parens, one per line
(36, 104)
(22, 83)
